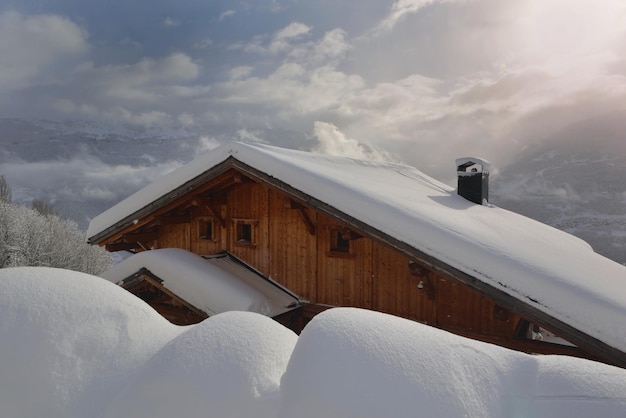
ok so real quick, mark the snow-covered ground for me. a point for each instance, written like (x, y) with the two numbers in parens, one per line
(73, 345)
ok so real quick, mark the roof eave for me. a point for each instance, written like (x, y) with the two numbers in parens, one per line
(166, 199)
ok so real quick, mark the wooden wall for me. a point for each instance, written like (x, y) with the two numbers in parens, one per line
(370, 275)
(292, 247)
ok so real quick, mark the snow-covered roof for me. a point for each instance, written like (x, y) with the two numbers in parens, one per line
(214, 285)
(547, 269)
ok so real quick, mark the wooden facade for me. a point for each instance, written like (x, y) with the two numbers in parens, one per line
(324, 257)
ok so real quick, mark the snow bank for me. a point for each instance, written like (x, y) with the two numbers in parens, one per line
(68, 341)
(73, 345)
(351, 363)
(229, 365)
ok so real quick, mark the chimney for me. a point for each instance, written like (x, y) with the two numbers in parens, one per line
(473, 179)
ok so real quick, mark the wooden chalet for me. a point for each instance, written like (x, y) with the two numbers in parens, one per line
(341, 232)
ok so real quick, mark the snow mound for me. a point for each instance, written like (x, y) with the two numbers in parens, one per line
(68, 340)
(229, 365)
(356, 363)
(77, 346)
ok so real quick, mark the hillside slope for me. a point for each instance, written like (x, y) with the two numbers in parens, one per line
(574, 186)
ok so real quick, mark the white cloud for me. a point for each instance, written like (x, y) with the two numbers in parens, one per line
(249, 135)
(401, 8)
(205, 144)
(240, 72)
(139, 94)
(444, 78)
(84, 177)
(294, 43)
(177, 67)
(332, 141)
(186, 119)
(170, 22)
(227, 13)
(36, 49)
(283, 39)
(292, 89)
(334, 44)
(203, 44)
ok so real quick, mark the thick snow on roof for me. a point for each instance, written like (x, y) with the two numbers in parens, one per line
(76, 346)
(486, 165)
(542, 266)
(213, 285)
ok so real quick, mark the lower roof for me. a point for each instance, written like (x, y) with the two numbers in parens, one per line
(214, 284)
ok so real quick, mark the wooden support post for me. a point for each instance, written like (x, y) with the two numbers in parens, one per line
(304, 215)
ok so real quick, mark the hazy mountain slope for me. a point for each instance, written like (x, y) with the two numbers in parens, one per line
(578, 187)
(84, 169)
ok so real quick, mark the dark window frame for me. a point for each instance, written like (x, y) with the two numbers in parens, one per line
(245, 232)
(207, 229)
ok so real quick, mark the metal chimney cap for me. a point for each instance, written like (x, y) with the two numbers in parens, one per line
(465, 162)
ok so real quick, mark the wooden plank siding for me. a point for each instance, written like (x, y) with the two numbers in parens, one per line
(249, 202)
(370, 275)
(396, 291)
(292, 247)
(344, 279)
(292, 244)
(201, 244)
(175, 236)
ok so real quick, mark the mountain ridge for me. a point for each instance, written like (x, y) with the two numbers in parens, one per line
(84, 168)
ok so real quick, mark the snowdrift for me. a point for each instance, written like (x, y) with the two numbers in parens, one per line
(74, 345)
(69, 341)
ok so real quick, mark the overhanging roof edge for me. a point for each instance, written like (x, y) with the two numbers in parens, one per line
(162, 201)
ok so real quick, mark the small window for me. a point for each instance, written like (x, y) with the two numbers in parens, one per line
(339, 243)
(206, 230)
(244, 232)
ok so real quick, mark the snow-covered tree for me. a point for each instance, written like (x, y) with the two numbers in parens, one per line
(43, 207)
(28, 238)
(5, 190)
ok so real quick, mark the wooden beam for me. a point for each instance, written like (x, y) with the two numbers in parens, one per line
(304, 215)
(122, 246)
(200, 201)
(216, 215)
(141, 237)
(173, 220)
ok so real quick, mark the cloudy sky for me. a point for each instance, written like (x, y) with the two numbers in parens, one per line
(423, 81)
